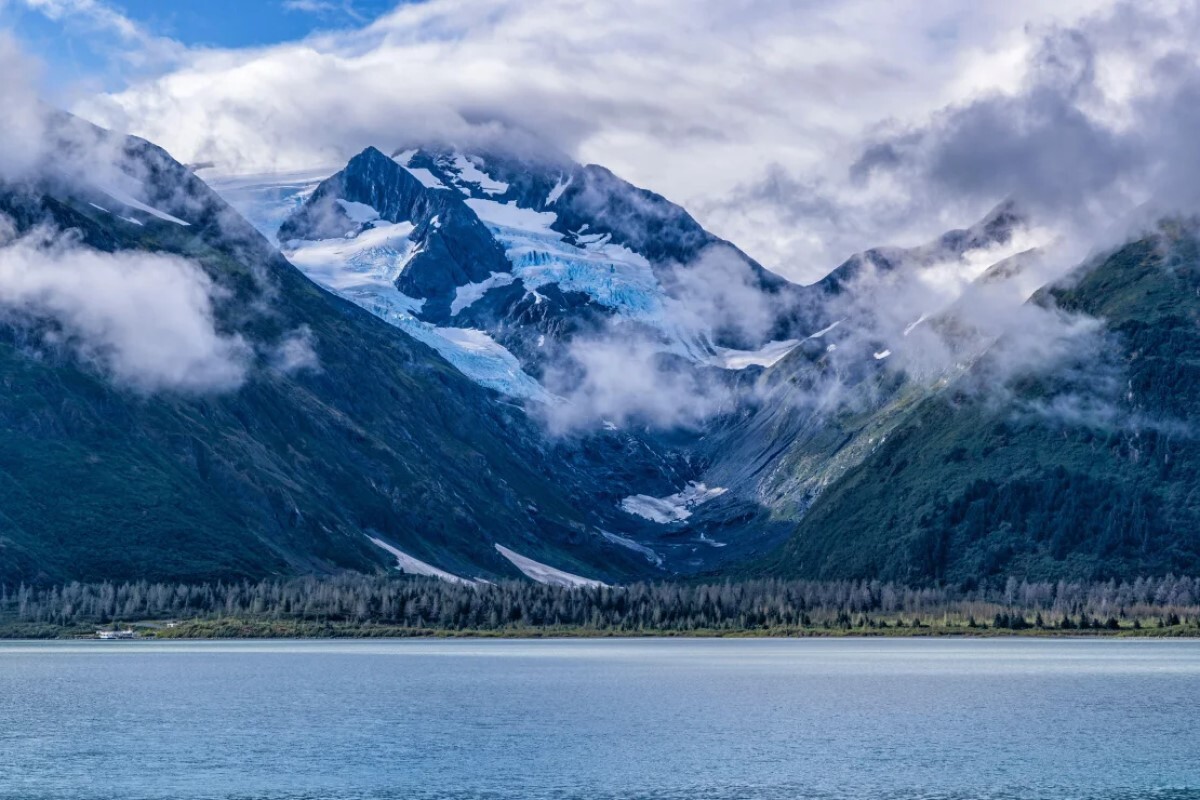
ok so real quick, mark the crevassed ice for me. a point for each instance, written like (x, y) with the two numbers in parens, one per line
(610, 274)
(364, 269)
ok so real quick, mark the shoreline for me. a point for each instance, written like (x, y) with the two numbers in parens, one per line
(261, 632)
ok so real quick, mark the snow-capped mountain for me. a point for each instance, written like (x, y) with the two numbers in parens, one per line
(498, 262)
(332, 438)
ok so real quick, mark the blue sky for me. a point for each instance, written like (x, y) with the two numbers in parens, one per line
(71, 51)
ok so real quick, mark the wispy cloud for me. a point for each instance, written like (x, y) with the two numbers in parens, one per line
(124, 39)
(344, 8)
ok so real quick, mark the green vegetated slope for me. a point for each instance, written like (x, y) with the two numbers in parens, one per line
(284, 475)
(1088, 473)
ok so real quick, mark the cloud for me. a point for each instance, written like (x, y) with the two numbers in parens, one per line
(324, 8)
(1100, 122)
(295, 352)
(144, 319)
(112, 32)
(621, 377)
(803, 132)
(692, 99)
(23, 132)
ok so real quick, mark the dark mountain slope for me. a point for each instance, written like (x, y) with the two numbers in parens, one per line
(287, 473)
(1082, 474)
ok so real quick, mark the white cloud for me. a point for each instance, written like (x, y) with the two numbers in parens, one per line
(23, 130)
(132, 43)
(692, 99)
(295, 353)
(324, 8)
(144, 319)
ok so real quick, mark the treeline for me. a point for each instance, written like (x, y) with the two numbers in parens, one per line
(755, 605)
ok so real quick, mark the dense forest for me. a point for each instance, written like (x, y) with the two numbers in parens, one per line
(363, 605)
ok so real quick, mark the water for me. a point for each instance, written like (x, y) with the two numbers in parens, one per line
(711, 720)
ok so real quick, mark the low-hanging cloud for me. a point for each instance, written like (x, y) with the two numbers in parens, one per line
(144, 319)
(689, 98)
(1101, 121)
(1080, 116)
(621, 377)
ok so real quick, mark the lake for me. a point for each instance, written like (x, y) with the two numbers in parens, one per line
(661, 719)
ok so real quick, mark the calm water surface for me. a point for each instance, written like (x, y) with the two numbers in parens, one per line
(711, 720)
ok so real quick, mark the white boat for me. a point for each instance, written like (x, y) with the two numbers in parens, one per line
(115, 634)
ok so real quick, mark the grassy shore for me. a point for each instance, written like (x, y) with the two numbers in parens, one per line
(232, 628)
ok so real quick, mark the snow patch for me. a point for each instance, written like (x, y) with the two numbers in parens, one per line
(427, 178)
(413, 566)
(824, 331)
(766, 356)
(651, 556)
(920, 319)
(469, 172)
(125, 198)
(672, 508)
(509, 215)
(558, 190)
(359, 212)
(466, 296)
(372, 259)
(537, 571)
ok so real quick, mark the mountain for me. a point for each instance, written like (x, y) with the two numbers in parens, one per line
(373, 440)
(391, 343)
(1086, 472)
(531, 253)
(585, 250)
(588, 259)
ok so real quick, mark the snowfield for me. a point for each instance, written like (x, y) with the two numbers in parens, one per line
(466, 296)
(537, 571)
(414, 566)
(469, 172)
(766, 356)
(124, 195)
(672, 508)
